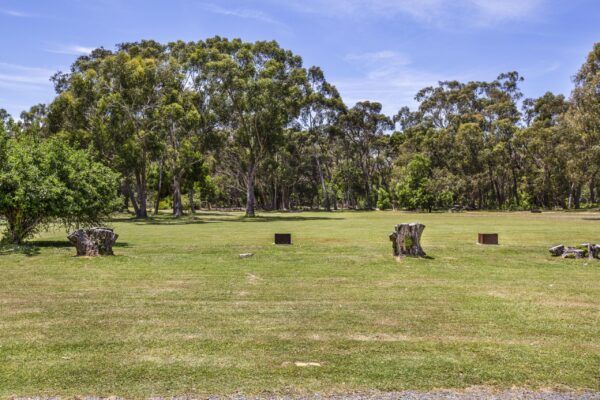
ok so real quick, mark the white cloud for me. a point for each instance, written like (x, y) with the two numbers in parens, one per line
(74, 49)
(506, 9)
(14, 13)
(241, 13)
(436, 12)
(387, 56)
(387, 77)
(19, 76)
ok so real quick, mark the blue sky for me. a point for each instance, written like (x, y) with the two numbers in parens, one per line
(382, 50)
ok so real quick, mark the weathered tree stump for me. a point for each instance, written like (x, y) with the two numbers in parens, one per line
(406, 240)
(591, 250)
(93, 241)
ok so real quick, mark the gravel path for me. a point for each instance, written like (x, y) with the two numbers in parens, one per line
(406, 395)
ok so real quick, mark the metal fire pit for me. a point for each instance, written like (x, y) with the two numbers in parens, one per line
(283, 238)
(487, 238)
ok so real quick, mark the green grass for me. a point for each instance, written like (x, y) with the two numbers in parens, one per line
(178, 312)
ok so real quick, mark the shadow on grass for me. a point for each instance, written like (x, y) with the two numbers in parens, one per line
(31, 249)
(206, 218)
(25, 249)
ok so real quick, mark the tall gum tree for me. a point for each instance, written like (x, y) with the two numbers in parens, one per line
(320, 112)
(363, 127)
(109, 102)
(257, 90)
(583, 118)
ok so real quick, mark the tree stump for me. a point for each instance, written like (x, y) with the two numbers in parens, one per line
(93, 242)
(406, 240)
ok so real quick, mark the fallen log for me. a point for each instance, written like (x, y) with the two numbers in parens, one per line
(557, 250)
(592, 251)
(572, 252)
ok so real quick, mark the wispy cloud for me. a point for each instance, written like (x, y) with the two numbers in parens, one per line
(15, 13)
(388, 77)
(20, 76)
(72, 49)
(506, 9)
(435, 12)
(245, 13)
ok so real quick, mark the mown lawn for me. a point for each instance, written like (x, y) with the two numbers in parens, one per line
(178, 312)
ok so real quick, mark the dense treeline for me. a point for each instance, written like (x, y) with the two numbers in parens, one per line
(225, 123)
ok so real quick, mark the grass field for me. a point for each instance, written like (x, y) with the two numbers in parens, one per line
(177, 312)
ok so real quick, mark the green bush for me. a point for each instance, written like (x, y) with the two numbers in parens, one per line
(383, 199)
(49, 182)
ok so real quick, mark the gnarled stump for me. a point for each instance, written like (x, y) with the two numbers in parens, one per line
(406, 240)
(94, 241)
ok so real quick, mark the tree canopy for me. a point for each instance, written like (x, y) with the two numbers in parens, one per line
(45, 182)
(239, 124)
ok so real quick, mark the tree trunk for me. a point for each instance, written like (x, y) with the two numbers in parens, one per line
(191, 198)
(160, 174)
(19, 228)
(326, 202)
(125, 193)
(250, 197)
(284, 198)
(142, 195)
(577, 197)
(275, 204)
(177, 203)
(131, 195)
(406, 240)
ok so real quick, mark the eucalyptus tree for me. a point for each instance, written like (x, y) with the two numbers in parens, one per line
(34, 122)
(7, 124)
(109, 102)
(583, 118)
(189, 121)
(544, 145)
(501, 116)
(322, 106)
(257, 90)
(363, 128)
(467, 130)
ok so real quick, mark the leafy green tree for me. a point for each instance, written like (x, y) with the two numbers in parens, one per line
(363, 128)
(322, 106)
(544, 143)
(383, 199)
(109, 102)
(419, 187)
(49, 182)
(257, 90)
(583, 119)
